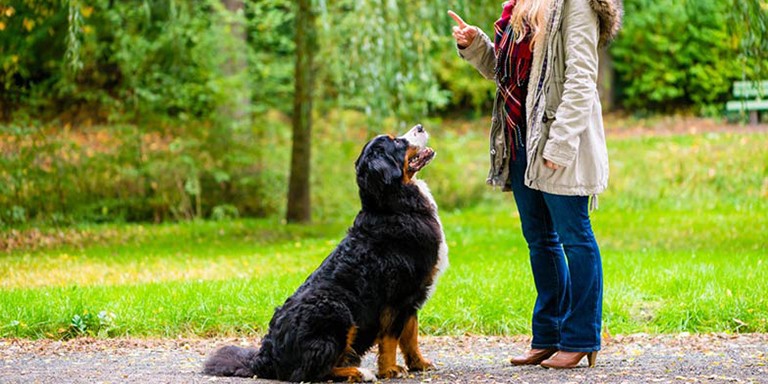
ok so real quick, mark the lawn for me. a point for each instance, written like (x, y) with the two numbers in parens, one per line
(682, 231)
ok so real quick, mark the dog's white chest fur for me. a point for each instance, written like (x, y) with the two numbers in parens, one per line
(442, 250)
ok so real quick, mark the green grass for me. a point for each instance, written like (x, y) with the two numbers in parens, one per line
(683, 234)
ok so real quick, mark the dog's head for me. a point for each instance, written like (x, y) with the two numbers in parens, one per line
(387, 163)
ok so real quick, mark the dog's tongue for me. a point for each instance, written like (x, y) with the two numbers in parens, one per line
(421, 159)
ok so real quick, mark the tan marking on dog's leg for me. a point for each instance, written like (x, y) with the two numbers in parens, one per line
(388, 368)
(409, 346)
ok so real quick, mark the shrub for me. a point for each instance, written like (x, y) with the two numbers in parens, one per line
(126, 173)
(674, 54)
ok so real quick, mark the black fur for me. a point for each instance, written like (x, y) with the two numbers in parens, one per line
(385, 264)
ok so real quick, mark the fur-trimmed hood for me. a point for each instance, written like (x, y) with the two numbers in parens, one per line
(610, 13)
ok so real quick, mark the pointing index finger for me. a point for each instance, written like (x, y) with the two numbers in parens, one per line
(457, 19)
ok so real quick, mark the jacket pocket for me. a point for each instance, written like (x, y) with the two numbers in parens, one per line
(554, 97)
(557, 78)
(536, 168)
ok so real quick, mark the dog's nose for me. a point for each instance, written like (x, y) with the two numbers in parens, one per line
(419, 128)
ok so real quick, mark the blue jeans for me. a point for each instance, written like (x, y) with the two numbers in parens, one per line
(566, 265)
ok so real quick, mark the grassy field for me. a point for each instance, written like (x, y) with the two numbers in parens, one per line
(683, 233)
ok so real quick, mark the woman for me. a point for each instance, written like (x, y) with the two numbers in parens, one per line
(548, 147)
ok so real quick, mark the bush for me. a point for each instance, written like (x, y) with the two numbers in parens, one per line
(675, 54)
(127, 173)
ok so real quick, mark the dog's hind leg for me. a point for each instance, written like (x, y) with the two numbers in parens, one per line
(320, 339)
(347, 362)
(350, 357)
(317, 358)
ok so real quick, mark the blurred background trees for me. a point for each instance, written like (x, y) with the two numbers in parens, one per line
(172, 109)
(108, 60)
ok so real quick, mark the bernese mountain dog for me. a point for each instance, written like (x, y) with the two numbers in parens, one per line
(368, 290)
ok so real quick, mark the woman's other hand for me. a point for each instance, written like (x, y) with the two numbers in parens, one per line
(551, 165)
(463, 33)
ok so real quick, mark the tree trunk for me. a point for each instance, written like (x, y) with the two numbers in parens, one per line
(605, 80)
(299, 208)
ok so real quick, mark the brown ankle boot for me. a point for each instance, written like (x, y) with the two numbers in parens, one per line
(564, 360)
(533, 357)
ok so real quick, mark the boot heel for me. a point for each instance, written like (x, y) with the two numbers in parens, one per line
(591, 357)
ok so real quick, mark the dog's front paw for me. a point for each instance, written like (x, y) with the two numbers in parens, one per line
(392, 372)
(421, 365)
(352, 374)
(366, 375)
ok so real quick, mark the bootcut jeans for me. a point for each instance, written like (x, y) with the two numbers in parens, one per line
(566, 265)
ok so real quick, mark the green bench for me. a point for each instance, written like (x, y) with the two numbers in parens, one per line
(752, 97)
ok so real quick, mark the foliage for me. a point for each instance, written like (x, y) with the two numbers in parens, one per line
(748, 22)
(87, 324)
(270, 37)
(123, 173)
(125, 59)
(30, 54)
(395, 60)
(177, 146)
(391, 59)
(386, 69)
(673, 54)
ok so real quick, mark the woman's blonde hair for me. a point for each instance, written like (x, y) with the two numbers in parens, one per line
(529, 16)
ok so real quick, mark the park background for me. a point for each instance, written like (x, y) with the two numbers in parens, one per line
(148, 186)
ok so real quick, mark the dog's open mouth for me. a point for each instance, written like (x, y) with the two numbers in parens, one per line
(420, 159)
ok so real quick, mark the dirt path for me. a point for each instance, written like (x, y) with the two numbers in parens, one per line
(620, 126)
(678, 358)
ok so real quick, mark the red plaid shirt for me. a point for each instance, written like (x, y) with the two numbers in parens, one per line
(513, 67)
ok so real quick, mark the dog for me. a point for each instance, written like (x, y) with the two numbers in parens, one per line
(368, 290)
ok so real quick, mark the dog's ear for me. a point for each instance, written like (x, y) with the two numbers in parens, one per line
(386, 169)
(376, 172)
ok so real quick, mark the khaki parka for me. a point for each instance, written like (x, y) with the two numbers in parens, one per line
(563, 111)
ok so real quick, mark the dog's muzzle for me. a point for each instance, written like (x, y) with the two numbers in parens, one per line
(417, 138)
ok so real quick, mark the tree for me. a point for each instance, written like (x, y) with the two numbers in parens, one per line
(748, 24)
(605, 80)
(383, 58)
(299, 206)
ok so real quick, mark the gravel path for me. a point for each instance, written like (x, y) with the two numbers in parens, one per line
(680, 358)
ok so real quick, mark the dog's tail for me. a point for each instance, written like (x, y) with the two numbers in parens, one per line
(236, 361)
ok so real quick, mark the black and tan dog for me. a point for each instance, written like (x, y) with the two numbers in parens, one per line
(368, 290)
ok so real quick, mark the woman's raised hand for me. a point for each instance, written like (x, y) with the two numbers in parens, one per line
(463, 33)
